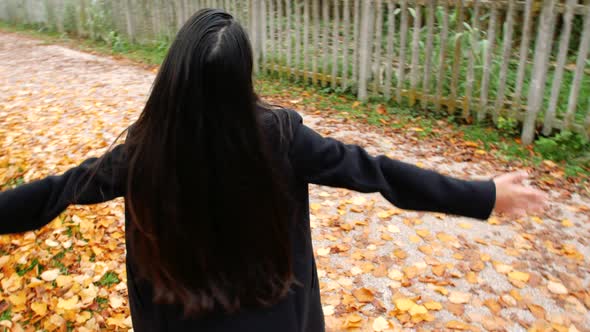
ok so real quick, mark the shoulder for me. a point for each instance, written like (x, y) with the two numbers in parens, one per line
(281, 125)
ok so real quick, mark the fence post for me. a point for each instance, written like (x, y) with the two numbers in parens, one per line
(426, 86)
(524, 49)
(254, 31)
(537, 88)
(377, 32)
(364, 50)
(508, 31)
(442, 55)
(487, 65)
(129, 19)
(345, 52)
(401, 70)
(390, 45)
(335, 43)
(580, 64)
(561, 58)
(415, 52)
(457, 56)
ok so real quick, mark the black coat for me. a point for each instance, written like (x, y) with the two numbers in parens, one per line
(309, 158)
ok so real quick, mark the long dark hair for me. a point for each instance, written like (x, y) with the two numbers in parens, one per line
(209, 212)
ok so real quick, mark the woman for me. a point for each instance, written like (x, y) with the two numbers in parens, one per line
(216, 192)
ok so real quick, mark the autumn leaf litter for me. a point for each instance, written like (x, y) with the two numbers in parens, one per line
(380, 268)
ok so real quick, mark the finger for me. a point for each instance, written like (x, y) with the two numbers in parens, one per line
(518, 177)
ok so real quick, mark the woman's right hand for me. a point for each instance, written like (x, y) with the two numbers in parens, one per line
(515, 198)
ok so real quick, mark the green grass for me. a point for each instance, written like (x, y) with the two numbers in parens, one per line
(108, 279)
(572, 153)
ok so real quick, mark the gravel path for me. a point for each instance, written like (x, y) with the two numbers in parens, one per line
(59, 106)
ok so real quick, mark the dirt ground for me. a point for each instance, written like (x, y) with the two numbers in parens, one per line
(380, 268)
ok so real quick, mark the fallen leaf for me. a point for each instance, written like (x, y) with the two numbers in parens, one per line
(518, 275)
(50, 275)
(459, 297)
(556, 288)
(432, 305)
(39, 308)
(403, 304)
(380, 324)
(363, 295)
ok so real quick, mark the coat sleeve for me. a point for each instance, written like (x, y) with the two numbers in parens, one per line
(33, 205)
(326, 161)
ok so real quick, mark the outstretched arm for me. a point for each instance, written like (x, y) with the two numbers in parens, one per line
(33, 205)
(326, 161)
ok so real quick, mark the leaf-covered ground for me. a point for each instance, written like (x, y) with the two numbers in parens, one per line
(381, 269)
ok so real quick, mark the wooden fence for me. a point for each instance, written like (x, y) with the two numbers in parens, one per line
(503, 60)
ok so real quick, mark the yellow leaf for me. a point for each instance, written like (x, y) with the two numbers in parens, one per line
(328, 310)
(537, 219)
(18, 299)
(566, 223)
(115, 301)
(556, 288)
(423, 233)
(352, 321)
(315, 206)
(395, 275)
(415, 239)
(456, 325)
(39, 308)
(466, 225)
(323, 251)
(363, 295)
(50, 275)
(393, 229)
(380, 324)
(441, 290)
(459, 297)
(432, 305)
(403, 304)
(418, 310)
(69, 304)
(520, 276)
(83, 317)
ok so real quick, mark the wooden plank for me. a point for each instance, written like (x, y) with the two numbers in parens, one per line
(524, 49)
(579, 73)
(279, 32)
(377, 45)
(263, 26)
(401, 74)
(356, 41)
(270, 56)
(458, 55)
(316, 40)
(325, 39)
(131, 22)
(345, 50)
(470, 65)
(542, 51)
(298, 8)
(487, 65)
(415, 53)
(426, 86)
(289, 31)
(306, 23)
(507, 50)
(254, 12)
(561, 59)
(390, 43)
(443, 54)
(335, 40)
(364, 52)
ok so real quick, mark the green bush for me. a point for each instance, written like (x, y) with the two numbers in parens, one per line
(563, 146)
